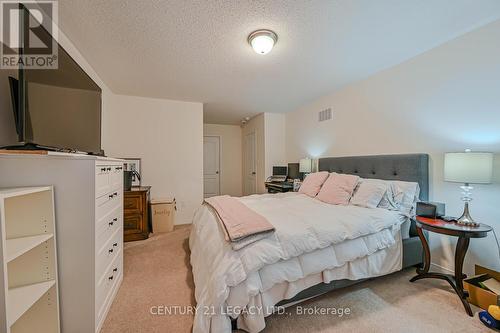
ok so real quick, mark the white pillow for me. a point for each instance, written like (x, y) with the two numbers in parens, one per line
(405, 196)
(388, 201)
(369, 193)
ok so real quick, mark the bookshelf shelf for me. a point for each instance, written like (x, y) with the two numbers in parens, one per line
(18, 246)
(22, 298)
(29, 299)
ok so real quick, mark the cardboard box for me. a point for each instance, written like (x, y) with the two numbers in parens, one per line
(163, 214)
(477, 295)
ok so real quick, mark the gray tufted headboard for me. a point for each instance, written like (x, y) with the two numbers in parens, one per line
(406, 167)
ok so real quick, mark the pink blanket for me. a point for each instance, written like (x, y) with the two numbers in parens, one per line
(239, 222)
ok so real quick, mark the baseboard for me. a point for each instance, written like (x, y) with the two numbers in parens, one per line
(182, 223)
(441, 268)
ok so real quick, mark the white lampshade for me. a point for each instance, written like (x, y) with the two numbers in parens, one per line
(305, 165)
(469, 167)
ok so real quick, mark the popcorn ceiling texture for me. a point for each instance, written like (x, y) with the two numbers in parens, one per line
(197, 50)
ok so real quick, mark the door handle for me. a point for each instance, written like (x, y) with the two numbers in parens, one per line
(216, 172)
(253, 173)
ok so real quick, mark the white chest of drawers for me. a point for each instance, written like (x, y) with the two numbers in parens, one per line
(89, 213)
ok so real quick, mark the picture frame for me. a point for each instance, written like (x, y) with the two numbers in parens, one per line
(133, 164)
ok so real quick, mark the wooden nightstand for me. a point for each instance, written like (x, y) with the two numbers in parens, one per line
(464, 235)
(136, 213)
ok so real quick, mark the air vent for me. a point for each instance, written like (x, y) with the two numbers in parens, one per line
(325, 114)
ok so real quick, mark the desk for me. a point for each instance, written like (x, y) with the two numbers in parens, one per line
(275, 187)
(464, 234)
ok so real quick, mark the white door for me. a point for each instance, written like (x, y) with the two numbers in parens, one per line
(250, 174)
(211, 160)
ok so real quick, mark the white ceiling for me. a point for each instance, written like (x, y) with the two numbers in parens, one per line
(197, 50)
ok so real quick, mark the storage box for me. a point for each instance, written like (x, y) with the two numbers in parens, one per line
(163, 214)
(477, 295)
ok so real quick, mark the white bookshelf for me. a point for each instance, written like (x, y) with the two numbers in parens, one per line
(29, 288)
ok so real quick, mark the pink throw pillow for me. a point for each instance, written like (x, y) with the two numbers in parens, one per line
(312, 184)
(338, 189)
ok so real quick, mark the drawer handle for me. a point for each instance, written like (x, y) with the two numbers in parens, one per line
(115, 270)
(109, 169)
(115, 244)
(103, 169)
(111, 196)
(115, 219)
(110, 278)
(111, 223)
(110, 251)
(118, 168)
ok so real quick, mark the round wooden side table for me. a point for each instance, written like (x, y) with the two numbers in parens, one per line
(464, 235)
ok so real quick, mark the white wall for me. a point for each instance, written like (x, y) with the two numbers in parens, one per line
(274, 141)
(230, 157)
(168, 137)
(446, 99)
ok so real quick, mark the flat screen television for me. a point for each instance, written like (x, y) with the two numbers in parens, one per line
(57, 109)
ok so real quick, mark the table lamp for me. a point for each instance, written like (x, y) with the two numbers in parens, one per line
(305, 165)
(468, 168)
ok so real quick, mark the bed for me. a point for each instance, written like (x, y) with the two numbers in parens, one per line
(316, 247)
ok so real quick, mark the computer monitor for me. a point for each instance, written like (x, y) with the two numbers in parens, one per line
(280, 171)
(293, 171)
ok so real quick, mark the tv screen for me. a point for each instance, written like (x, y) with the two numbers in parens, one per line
(14, 96)
(58, 108)
(62, 107)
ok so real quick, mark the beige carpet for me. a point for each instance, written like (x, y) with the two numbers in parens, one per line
(157, 272)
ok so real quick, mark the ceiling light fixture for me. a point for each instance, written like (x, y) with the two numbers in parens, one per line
(262, 41)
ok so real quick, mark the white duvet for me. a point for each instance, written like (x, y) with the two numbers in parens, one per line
(311, 238)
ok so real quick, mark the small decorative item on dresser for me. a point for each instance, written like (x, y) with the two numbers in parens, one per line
(133, 165)
(128, 179)
(464, 234)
